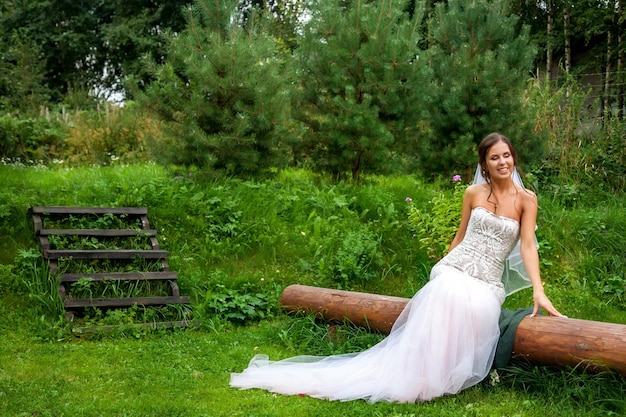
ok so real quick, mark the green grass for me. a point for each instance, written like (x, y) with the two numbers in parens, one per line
(231, 240)
(185, 373)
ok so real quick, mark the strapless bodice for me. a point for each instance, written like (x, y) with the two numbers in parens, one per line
(488, 241)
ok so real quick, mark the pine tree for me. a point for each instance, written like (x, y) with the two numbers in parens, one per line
(481, 61)
(360, 77)
(222, 93)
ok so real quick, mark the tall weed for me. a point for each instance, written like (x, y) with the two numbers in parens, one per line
(583, 247)
(109, 135)
(582, 152)
(562, 118)
(606, 158)
(29, 277)
(356, 261)
(436, 225)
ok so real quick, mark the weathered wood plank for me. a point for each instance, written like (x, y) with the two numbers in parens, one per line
(145, 223)
(135, 211)
(122, 276)
(37, 222)
(174, 288)
(124, 302)
(44, 244)
(105, 254)
(98, 232)
(39, 213)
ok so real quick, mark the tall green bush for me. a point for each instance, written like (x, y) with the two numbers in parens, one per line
(561, 120)
(22, 73)
(480, 61)
(30, 139)
(607, 156)
(222, 93)
(361, 83)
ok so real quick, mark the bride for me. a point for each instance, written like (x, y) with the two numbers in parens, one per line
(445, 339)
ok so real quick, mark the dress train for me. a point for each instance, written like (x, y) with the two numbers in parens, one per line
(443, 342)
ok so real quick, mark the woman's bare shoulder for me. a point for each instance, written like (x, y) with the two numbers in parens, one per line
(528, 197)
(477, 189)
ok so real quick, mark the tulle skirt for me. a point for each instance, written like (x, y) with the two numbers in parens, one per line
(443, 342)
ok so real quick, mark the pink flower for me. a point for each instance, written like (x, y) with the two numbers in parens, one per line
(456, 178)
(408, 199)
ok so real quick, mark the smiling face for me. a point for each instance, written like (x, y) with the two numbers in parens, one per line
(500, 161)
(496, 156)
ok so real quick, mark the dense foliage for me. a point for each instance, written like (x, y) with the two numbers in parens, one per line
(64, 47)
(340, 87)
(72, 52)
(222, 94)
(362, 85)
(480, 62)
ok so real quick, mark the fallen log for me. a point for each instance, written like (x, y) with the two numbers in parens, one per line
(539, 340)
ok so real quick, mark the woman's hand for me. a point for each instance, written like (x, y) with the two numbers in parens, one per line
(542, 301)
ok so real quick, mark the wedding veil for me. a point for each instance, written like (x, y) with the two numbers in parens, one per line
(514, 276)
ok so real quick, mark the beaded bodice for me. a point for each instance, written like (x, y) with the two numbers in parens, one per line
(488, 241)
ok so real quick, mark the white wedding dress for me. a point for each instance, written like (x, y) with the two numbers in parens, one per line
(442, 342)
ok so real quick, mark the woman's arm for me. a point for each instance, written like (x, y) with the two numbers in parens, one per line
(468, 198)
(530, 256)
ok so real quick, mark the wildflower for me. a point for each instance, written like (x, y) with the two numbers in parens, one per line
(456, 178)
(494, 377)
(408, 199)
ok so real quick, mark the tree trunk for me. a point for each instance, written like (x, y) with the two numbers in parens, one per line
(568, 44)
(549, 29)
(541, 340)
(607, 71)
(621, 27)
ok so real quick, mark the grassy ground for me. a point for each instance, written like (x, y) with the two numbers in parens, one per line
(186, 373)
(257, 237)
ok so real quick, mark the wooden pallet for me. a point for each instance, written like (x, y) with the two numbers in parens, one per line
(42, 214)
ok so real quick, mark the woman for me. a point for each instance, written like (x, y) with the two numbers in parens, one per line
(445, 338)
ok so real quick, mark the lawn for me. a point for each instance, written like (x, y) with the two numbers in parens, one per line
(231, 239)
